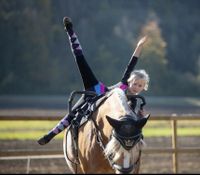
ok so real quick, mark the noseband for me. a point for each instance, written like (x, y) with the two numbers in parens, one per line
(127, 142)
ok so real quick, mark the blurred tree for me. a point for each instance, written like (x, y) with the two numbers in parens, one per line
(164, 80)
(25, 50)
(153, 58)
(180, 25)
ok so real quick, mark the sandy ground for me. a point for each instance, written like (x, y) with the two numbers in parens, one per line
(150, 163)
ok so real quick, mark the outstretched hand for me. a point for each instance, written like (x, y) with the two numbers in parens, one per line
(139, 47)
(141, 113)
(142, 41)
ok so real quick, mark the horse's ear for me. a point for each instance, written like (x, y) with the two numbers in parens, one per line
(141, 122)
(114, 123)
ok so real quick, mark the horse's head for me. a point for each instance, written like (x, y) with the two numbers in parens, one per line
(127, 130)
(124, 147)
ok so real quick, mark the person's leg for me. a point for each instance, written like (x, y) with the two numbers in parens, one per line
(89, 80)
(88, 77)
(62, 124)
(56, 130)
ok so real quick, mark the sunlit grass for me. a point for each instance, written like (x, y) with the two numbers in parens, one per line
(31, 130)
(166, 132)
(29, 135)
(27, 124)
(26, 130)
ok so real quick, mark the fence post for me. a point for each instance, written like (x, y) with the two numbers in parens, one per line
(174, 146)
(28, 165)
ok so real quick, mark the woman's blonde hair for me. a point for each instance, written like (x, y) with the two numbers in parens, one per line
(140, 74)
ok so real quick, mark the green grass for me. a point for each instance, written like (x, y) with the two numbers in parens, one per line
(163, 128)
(31, 130)
(26, 130)
(166, 132)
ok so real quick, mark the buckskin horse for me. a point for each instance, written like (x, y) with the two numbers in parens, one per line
(110, 141)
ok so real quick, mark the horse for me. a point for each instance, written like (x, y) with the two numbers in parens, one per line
(110, 142)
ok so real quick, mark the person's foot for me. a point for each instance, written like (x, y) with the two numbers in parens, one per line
(45, 139)
(67, 22)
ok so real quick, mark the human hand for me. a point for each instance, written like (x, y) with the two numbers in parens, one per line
(139, 47)
(141, 113)
(142, 41)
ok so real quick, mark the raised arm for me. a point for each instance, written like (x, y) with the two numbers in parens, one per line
(133, 60)
(139, 47)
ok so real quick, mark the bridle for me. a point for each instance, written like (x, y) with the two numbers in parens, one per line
(123, 141)
(127, 142)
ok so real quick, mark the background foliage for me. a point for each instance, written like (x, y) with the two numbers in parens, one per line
(35, 56)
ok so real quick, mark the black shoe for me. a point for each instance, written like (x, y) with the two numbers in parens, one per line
(46, 138)
(67, 22)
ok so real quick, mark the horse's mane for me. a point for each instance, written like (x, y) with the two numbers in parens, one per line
(120, 100)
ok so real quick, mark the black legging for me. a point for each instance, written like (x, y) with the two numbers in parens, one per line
(88, 77)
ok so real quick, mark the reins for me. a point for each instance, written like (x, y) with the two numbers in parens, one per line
(100, 142)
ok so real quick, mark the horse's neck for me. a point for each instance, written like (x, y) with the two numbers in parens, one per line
(116, 105)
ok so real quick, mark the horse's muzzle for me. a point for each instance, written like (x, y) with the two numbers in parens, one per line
(122, 170)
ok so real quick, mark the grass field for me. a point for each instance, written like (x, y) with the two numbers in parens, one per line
(29, 130)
